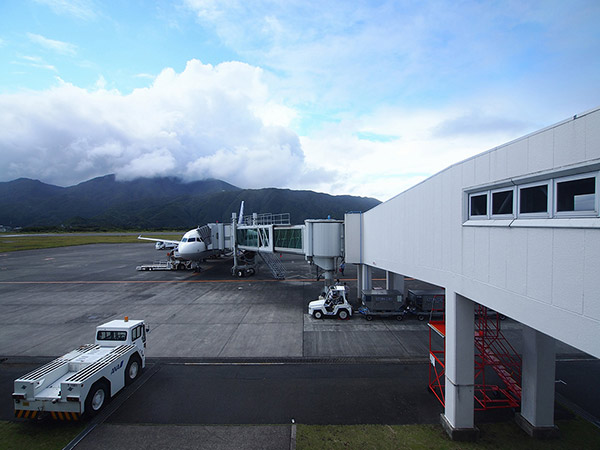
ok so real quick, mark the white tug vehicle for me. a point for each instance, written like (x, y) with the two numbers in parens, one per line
(333, 303)
(83, 380)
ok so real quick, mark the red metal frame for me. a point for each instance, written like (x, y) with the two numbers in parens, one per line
(493, 351)
(437, 356)
(437, 365)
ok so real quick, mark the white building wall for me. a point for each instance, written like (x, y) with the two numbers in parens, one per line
(544, 273)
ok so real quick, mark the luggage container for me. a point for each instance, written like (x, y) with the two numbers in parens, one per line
(426, 303)
(382, 303)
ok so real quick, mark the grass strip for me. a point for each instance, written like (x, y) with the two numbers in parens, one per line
(575, 434)
(46, 435)
(31, 242)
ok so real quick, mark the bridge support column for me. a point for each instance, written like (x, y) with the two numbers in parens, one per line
(364, 279)
(538, 373)
(394, 281)
(458, 416)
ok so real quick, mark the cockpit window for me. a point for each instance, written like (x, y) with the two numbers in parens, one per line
(112, 335)
(192, 240)
(184, 240)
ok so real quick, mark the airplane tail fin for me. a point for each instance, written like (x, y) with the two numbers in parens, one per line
(241, 218)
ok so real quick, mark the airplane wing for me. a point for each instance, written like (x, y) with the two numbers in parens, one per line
(158, 240)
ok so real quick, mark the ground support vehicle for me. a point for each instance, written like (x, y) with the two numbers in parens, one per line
(160, 245)
(167, 265)
(246, 270)
(83, 381)
(426, 303)
(333, 303)
(382, 303)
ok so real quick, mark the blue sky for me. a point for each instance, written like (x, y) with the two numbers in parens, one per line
(363, 98)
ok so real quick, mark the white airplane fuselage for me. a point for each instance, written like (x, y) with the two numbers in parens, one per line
(192, 247)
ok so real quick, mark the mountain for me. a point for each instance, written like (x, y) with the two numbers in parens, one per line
(154, 203)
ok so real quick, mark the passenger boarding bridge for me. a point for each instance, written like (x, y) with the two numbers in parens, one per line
(321, 241)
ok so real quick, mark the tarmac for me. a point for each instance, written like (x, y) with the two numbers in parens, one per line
(52, 300)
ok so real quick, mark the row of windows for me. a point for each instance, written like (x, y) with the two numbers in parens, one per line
(573, 196)
(192, 239)
(112, 335)
(121, 335)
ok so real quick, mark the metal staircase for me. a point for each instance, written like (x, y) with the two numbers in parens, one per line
(274, 264)
(494, 351)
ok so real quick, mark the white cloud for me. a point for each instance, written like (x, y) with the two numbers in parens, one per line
(64, 48)
(35, 61)
(81, 9)
(412, 148)
(206, 121)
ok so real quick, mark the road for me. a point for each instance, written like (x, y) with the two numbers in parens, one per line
(276, 393)
(271, 392)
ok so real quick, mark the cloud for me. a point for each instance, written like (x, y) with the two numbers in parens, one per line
(207, 121)
(80, 9)
(35, 61)
(64, 48)
(477, 122)
(388, 151)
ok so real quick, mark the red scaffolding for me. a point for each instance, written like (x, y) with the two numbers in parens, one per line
(493, 352)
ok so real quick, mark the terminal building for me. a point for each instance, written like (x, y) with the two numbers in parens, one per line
(515, 229)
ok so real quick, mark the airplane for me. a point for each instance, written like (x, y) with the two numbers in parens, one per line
(195, 245)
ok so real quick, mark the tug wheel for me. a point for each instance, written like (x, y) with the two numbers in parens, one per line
(97, 397)
(133, 370)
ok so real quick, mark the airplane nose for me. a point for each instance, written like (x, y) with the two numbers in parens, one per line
(191, 251)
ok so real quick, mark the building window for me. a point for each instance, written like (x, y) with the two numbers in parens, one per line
(576, 195)
(533, 199)
(566, 197)
(478, 205)
(502, 203)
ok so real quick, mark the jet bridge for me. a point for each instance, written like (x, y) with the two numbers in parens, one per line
(320, 241)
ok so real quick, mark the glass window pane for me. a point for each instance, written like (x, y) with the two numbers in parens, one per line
(534, 199)
(502, 202)
(112, 335)
(479, 205)
(576, 195)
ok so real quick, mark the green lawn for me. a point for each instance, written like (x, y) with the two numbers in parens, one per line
(47, 435)
(30, 242)
(576, 434)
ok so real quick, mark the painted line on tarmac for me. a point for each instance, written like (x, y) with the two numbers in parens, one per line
(246, 280)
(308, 361)
(569, 359)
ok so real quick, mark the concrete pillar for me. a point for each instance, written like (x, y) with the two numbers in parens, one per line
(364, 278)
(537, 384)
(394, 281)
(358, 282)
(367, 276)
(458, 417)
